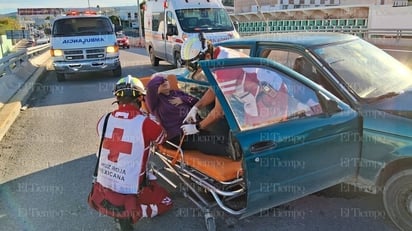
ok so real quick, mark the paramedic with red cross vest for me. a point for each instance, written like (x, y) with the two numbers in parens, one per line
(125, 151)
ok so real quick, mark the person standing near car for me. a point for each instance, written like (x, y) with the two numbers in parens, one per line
(125, 152)
(215, 123)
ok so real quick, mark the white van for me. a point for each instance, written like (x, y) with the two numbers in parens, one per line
(84, 43)
(168, 23)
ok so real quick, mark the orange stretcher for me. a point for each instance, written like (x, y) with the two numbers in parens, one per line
(219, 168)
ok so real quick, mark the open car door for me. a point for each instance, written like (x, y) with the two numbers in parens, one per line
(295, 137)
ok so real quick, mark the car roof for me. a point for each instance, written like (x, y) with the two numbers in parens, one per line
(305, 39)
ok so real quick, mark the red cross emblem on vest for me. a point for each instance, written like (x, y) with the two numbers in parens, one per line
(115, 145)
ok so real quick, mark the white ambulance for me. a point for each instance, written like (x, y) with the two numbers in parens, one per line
(167, 23)
(84, 42)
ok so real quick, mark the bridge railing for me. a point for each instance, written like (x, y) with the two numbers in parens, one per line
(361, 32)
(401, 38)
(15, 60)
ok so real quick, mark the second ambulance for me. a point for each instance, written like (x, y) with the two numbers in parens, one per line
(84, 42)
(168, 23)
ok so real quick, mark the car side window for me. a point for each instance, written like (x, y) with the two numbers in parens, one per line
(296, 62)
(286, 58)
(260, 96)
(302, 65)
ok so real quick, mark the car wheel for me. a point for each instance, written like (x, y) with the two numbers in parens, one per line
(397, 199)
(178, 63)
(60, 77)
(117, 72)
(128, 46)
(153, 59)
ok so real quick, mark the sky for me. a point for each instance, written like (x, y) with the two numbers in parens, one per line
(8, 6)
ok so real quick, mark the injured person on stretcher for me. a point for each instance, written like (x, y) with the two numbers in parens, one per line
(218, 175)
(202, 151)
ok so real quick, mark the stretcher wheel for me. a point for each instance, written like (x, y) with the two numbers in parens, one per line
(210, 222)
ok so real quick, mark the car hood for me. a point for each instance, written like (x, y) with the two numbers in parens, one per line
(400, 104)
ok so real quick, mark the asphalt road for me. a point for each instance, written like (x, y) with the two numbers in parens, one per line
(47, 159)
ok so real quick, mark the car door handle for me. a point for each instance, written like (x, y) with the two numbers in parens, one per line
(262, 146)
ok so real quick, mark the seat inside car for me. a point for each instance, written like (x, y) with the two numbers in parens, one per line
(305, 68)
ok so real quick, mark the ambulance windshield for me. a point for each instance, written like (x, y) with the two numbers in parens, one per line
(81, 26)
(204, 19)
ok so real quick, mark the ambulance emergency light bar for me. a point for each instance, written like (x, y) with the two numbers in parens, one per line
(77, 13)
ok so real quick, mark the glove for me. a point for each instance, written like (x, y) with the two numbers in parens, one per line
(249, 103)
(191, 116)
(189, 129)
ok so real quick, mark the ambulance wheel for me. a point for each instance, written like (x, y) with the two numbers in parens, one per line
(210, 222)
(153, 59)
(60, 77)
(178, 60)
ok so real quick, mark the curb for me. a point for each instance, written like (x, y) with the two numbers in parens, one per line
(11, 109)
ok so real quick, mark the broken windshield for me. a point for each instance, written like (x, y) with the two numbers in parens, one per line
(366, 70)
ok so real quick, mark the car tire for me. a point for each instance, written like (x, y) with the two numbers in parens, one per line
(178, 63)
(60, 77)
(117, 72)
(128, 47)
(397, 199)
(153, 59)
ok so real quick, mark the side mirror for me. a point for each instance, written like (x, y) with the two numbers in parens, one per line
(236, 24)
(171, 30)
(330, 105)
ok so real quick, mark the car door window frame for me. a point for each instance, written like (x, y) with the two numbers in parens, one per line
(257, 101)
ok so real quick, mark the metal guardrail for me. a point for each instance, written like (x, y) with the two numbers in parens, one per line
(14, 60)
(361, 32)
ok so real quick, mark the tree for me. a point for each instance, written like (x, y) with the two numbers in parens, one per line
(7, 23)
(116, 22)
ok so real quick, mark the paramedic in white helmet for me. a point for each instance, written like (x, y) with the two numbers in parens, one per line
(199, 48)
(127, 135)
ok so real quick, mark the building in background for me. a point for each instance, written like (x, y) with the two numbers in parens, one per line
(40, 18)
(245, 6)
(266, 16)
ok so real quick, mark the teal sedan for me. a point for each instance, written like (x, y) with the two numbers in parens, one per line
(313, 110)
(367, 142)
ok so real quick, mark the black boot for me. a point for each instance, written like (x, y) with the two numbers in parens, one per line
(124, 224)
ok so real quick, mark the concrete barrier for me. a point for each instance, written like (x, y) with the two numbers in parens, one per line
(16, 87)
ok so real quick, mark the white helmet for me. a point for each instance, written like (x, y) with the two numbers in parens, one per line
(129, 86)
(193, 48)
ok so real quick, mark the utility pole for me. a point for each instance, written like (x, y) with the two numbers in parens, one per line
(139, 18)
(88, 2)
